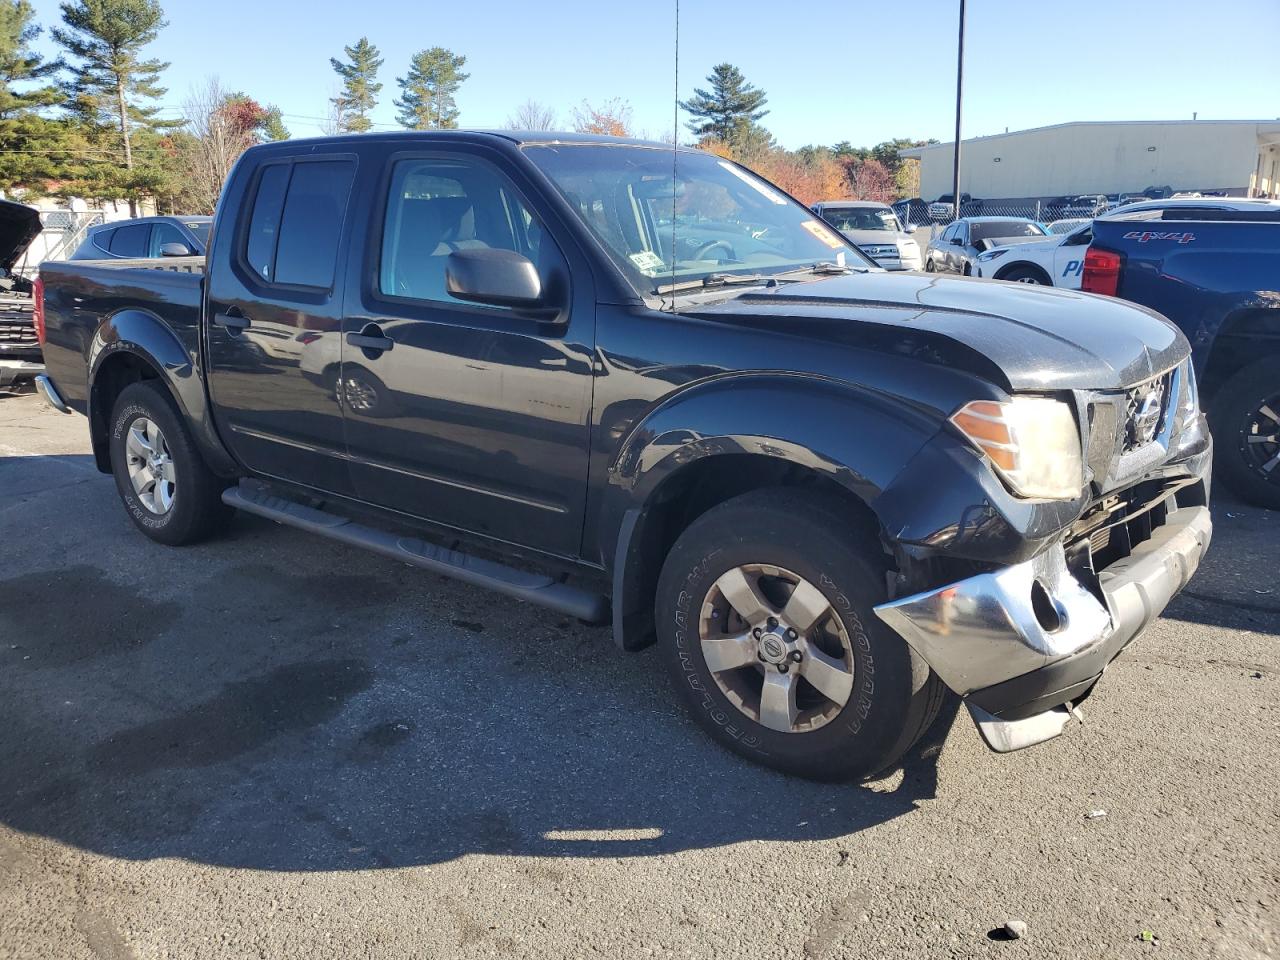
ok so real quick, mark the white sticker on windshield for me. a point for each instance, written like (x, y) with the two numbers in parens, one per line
(647, 262)
(754, 184)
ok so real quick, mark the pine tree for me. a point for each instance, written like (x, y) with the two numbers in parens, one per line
(33, 148)
(360, 88)
(729, 112)
(111, 86)
(273, 127)
(426, 93)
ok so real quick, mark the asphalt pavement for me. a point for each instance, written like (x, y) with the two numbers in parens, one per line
(273, 746)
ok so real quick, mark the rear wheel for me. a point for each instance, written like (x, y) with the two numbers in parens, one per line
(1245, 417)
(766, 622)
(169, 492)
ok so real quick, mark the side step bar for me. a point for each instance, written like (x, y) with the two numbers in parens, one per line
(534, 587)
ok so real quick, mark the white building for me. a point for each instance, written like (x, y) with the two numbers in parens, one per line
(1240, 157)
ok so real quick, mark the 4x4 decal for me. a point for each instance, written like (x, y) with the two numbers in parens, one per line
(1142, 236)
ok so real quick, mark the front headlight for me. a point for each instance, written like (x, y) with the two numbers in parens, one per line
(909, 247)
(1032, 442)
(992, 254)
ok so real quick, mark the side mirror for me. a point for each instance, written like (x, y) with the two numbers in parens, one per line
(175, 250)
(502, 278)
(909, 228)
(957, 241)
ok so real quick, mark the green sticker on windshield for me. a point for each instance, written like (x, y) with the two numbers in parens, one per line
(647, 262)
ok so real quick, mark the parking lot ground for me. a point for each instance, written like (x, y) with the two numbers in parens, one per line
(273, 746)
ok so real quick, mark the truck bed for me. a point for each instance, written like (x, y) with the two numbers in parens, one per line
(85, 298)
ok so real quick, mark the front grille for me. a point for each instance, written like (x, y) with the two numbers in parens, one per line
(17, 325)
(1146, 407)
(880, 252)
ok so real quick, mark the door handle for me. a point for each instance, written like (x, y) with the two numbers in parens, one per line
(230, 322)
(370, 338)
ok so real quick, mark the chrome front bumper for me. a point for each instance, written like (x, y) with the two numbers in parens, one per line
(11, 371)
(1034, 627)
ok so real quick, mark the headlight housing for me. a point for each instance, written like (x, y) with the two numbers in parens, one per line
(992, 254)
(1033, 443)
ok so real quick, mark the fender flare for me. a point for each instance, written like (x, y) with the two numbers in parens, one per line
(857, 438)
(144, 335)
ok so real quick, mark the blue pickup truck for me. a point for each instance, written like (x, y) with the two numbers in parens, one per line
(1216, 274)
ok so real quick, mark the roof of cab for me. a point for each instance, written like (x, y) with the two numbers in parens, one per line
(519, 138)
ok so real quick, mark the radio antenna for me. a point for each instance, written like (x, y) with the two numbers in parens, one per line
(675, 151)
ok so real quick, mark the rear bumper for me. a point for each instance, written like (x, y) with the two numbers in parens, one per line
(1021, 642)
(12, 370)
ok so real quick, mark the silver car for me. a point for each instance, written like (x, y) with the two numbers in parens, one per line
(956, 249)
(875, 230)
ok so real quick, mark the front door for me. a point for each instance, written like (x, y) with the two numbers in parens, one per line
(472, 416)
(275, 313)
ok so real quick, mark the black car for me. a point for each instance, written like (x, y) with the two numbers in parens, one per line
(146, 238)
(658, 392)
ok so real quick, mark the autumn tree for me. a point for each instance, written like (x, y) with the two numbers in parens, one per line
(871, 180)
(360, 87)
(532, 115)
(220, 126)
(427, 92)
(611, 118)
(33, 148)
(111, 85)
(728, 112)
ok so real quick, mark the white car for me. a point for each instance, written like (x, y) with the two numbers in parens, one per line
(874, 229)
(1056, 261)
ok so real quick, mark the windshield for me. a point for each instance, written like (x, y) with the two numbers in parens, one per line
(712, 219)
(860, 218)
(998, 229)
(200, 228)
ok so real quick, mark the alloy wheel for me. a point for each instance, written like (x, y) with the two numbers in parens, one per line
(150, 464)
(1260, 439)
(776, 648)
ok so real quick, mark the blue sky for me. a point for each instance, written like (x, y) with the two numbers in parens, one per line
(858, 71)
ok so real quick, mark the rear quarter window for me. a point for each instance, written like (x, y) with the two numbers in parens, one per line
(130, 241)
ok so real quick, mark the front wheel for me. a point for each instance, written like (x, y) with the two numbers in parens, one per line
(1025, 275)
(169, 492)
(1245, 418)
(765, 619)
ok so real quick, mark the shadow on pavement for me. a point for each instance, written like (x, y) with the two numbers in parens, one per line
(217, 706)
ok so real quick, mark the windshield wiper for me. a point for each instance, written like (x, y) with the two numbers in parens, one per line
(826, 268)
(714, 280)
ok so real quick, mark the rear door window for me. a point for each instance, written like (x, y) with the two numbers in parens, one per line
(311, 223)
(130, 241)
(264, 221)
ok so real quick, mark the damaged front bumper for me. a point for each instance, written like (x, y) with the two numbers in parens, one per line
(1025, 643)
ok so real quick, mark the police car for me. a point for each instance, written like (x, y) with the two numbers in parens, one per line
(1056, 261)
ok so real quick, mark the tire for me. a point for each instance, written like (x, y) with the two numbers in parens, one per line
(893, 696)
(1026, 275)
(929, 267)
(193, 509)
(1236, 418)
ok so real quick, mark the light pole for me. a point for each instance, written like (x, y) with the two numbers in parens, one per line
(955, 168)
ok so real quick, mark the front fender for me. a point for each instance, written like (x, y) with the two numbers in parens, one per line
(146, 337)
(855, 436)
(858, 438)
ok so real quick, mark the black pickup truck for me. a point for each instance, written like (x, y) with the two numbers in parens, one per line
(640, 385)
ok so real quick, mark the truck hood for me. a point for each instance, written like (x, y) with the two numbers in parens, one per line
(874, 238)
(1023, 337)
(19, 225)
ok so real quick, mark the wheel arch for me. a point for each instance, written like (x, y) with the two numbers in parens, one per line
(1027, 265)
(725, 439)
(1244, 337)
(135, 345)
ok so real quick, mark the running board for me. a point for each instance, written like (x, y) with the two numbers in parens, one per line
(536, 588)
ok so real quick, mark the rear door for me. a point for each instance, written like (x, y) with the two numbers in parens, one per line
(274, 317)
